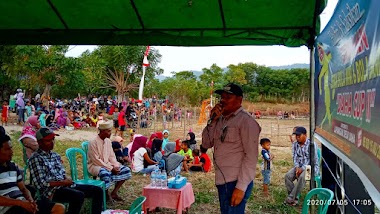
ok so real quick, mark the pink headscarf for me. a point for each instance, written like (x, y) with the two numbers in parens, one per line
(30, 128)
(138, 142)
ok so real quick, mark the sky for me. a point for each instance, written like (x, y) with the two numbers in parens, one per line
(195, 58)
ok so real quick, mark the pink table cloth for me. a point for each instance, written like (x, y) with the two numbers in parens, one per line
(179, 199)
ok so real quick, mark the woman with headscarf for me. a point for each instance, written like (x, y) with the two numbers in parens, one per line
(173, 160)
(166, 138)
(156, 149)
(191, 139)
(150, 142)
(62, 119)
(141, 162)
(28, 135)
(160, 135)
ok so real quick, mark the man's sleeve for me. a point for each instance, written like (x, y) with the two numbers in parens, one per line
(294, 155)
(208, 135)
(249, 133)
(38, 173)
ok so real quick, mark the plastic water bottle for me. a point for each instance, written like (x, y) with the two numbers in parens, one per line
(153, 176)
(164, 180)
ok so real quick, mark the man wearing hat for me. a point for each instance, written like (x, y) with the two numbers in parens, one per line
(49, 177)
(234, 134)
(301, 158)
(102, 161)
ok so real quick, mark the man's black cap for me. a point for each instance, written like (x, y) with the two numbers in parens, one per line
(231, 88)
(300, 130)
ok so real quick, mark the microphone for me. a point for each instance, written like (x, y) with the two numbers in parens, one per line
(211, 118)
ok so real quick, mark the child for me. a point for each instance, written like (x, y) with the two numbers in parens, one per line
(115, 120)
(28, 109)
(267, 158)
(186, 151)
(5, 114)
(121, 122)
(196, 164)
(121, 152)
(204, 161)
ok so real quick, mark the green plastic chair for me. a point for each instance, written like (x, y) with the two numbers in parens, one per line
(136, 207)
(71, 154)
(85, 149)
(322, 200)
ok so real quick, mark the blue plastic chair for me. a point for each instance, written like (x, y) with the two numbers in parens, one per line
(322, 200)
(136, 207)
(71, 154)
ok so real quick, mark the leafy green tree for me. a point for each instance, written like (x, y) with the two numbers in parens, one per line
(215, 74)
(236, 74)
(120, 67)
(44, 66)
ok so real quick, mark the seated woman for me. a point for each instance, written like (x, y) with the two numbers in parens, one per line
(28, 135)
(141, 161)
(121, 152)
(191, 139)
(173, 161)
(156, 150)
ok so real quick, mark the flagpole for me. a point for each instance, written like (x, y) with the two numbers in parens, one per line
(145, 64)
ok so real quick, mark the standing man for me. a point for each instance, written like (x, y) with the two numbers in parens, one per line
(301, 158)
(49, 177)
(234, 134)
(102, 161)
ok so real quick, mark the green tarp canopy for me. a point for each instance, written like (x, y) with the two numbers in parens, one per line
(160, 22)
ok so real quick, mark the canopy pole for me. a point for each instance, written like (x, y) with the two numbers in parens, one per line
(312, 118)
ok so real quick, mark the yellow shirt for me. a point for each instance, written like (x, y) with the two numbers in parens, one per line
(189, 152)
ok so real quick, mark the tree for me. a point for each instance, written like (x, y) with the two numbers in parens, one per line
(120, 67)
(236, 74)
(43, 66)
(214, 73)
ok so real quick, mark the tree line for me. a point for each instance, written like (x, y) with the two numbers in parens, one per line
(116, 70)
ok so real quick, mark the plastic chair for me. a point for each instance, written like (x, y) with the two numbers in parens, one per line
(71, 155)
(323, 200)
(85, 149)
(136, 207)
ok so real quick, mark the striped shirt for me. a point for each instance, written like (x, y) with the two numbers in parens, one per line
(301, 156)
(9, 177)
(44, 168)
(266, 159)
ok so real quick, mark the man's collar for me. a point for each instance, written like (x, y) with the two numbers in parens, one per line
(43, 152)
(234, 113)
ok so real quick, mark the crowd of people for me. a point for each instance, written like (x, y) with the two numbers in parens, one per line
(231, 131)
